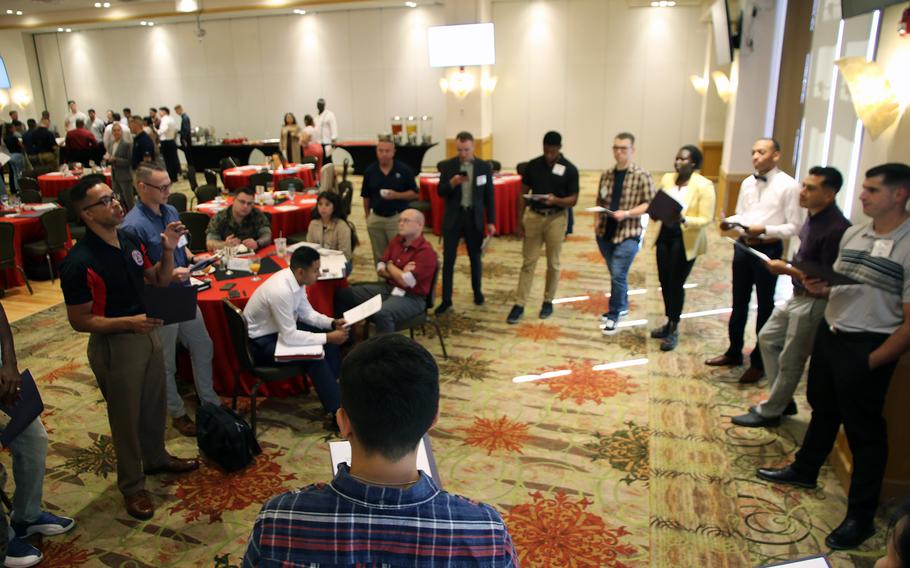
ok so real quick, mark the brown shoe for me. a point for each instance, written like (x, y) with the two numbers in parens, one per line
(185, 426)
(752, 375)
(139, 505)
(174, 465)
(724, 361)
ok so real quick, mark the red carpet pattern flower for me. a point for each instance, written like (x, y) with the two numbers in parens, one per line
(499, 433)
(65, 554)
(560, 532)
(210, 491)
(584, 384)
(538, 331)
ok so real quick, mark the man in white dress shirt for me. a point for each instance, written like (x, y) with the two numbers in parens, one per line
(74, 115)
(326, 130)
(767, 214)
(280, 308)
(95, 125)
(168, 129)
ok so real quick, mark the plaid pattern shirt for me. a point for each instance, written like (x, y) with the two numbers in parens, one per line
(350, 524)
(637, 188)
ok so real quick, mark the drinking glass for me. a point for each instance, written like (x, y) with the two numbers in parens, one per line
(254, 268)
(228, 255)
(281, 247)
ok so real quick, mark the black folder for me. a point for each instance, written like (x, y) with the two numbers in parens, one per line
(813, 269)
(23, 411)
(664, 208)
(172, 304)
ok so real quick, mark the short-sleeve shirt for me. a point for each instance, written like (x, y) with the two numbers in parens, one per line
(40, 140)
(561, 180)
(113, 278)
(424, 258)
(400, 178)
(147, 226)
(637, 188)
(253, 226)
(876, 305)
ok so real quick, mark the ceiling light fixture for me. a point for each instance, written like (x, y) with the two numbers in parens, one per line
(14, 12)
(299, 12)
(411, 4)
(102, 4)
(187, 6)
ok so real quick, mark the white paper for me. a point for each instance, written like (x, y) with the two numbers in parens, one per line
(597, 209)
(331, 266)
(482, 179)
(283, 350)
(41, 206)
(558, 169)
(182, 242)
(4, 158)
(363, 311)
(239, 264)
(815, 562)
(286, 208)
(341, 453)
(749, 249)
(396, 291)
(295, 246)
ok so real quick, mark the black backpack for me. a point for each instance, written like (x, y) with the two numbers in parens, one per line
(225, 437)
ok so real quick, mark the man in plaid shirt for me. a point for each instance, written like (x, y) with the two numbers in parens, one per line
(381, 511)
(625, 191)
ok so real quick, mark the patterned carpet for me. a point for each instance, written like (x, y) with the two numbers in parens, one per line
(631, 466)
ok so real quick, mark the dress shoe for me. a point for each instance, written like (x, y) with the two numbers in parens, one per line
(185, 426)
(790, 409)
(724, 361)
(785, 475)
(515, 314)
(174, 465)
(139, 505)
(479, 299)
(442, 308)
(752, 375)
(850, 534)
(661, 332)
(670, 341)
(753, 419)
(546, 310)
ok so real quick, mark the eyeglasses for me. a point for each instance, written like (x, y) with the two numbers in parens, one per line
(623, 148)
(161, 188)
(106, 201)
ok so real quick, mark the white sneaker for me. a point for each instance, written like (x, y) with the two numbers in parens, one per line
(605, 316)
(21, 554)
(609, 327)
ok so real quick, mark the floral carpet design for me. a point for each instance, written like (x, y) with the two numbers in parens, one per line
(634, 465)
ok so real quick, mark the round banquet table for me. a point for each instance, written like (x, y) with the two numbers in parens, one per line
(53, 183)
(287, 218)
(507, 192)
(26, 230)
(224, 363)
(235, 178)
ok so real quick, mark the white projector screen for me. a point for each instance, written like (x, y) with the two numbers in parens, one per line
(458, 46)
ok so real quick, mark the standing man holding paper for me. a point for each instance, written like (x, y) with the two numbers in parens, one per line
(866, 329)
(466, 185)
(103, 279)
(552, 182)
(767, 213)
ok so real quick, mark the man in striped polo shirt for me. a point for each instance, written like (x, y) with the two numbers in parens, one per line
(865, 331)
(381, 511)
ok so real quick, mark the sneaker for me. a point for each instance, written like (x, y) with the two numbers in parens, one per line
(546, 310)
(20, 554)
(47, 524)
(605, 316)
(610, 326)
(515, 314)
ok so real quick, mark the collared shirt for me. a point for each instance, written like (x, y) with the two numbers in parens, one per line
(143, 148)
(400, 178)
(97, 129)
(327, 127)
(186, 129)
(110, 277)
(467, 186)
(773, 203)
(168, 128)
(72, 118)
(349, 523)
(80, 139)
(108, 137)
(336, 235)
(424, 258)
(276, 306)
(820, 238)
(876, 305)
(637, 188)
(560, 179)
(253, 226)
(147, 226)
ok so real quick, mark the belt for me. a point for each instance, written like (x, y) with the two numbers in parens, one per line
(546, 212)
(387, 215)
(752, 241)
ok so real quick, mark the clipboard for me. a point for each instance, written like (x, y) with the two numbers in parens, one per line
(813, 269)
(22, 412)
(172, 304)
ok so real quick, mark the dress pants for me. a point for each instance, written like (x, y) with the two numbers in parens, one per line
(540, 230)
(129, 369)
(843, 390)
(749, 271)
(394, 308)
(673, 269)
(171, 161)
(473, 238)
(195, 337)
(381, 230)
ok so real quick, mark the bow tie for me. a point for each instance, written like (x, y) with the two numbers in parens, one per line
(759, 177)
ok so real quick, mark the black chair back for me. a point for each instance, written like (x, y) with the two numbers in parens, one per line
(264, 179)
(54, 223)
(207, 192)
(520, 168)
(26, 182)
(347, 196)
(287, 183)
(496, 165)
(211, 177)
(309, 160)
(63, 200)
(7, 250)
(197, 224)
(227, 163)
(29, 195)
(191, 177)
(178, 201)
(239, 334)
(431, 295)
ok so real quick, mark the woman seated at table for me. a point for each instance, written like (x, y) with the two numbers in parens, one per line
(289, 141)
(331, 229)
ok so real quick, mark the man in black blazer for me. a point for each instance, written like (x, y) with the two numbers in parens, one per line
(143, 146)
(466, 184)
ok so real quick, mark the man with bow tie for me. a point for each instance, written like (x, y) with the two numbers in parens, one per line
(767, 214)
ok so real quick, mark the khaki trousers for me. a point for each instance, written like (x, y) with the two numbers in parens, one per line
(381, 230)
(549, 230)
(129, 368)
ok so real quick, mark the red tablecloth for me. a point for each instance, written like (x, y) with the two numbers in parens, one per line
(284, 221)
(235, 178)
(507, 192)
(53, 183)
(224, 363)
(27, 230)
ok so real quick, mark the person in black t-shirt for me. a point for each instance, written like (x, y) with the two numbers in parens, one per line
(388, 187)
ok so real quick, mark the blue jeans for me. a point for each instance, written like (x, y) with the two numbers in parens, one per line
(619, 257)
(29, 451)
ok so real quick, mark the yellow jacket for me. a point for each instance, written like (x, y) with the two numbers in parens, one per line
(698, 212)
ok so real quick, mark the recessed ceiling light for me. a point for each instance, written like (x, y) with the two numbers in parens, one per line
(151, 23)
(18, 12)
(143, 23)
(59, 29)
(68, 30)
(411, 4)
(299, 12)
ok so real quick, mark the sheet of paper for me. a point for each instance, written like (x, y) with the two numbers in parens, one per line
(285, 352)
(331, 266)
(286, 208)
(811, 562)
(750, 250)
(363, 311)
(597, 209)
(239, 264)
(4, 158)
(295, 246)
(341, 453)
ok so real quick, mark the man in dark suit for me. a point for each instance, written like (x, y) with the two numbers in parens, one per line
(143, 146)
(466, 184)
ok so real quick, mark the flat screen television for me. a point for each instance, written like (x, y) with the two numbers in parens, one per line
(462, 45)
(850, 8)
(723, 40)
(4, 76)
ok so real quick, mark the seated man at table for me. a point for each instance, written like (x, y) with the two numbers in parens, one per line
(388, 186)
(280, 308)
(241, 223)
(407, 267)
(146, 222)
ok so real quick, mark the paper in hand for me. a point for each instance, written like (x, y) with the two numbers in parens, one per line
(598, 209)
(363, 311)
(750, 250)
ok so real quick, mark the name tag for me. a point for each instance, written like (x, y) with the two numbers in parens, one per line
(182, 242)
(558, 169)
(882, 247)
(482, 180)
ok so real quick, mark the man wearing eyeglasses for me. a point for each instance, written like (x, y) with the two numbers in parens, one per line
(241, 223)
(103, 280)
(146, 222)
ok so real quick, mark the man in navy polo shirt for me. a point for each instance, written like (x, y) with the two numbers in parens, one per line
(388, 186)
(103, 279)
(147, 221)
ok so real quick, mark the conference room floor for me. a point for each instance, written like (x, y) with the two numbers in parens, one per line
(633, 466)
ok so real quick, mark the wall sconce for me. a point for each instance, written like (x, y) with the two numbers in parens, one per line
(21, 98)
(699, 83)
(723, 85)
(873, 98)
(4, 99)
(459, 83)
(488, 83)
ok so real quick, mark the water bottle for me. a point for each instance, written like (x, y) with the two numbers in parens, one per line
(292, 191)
